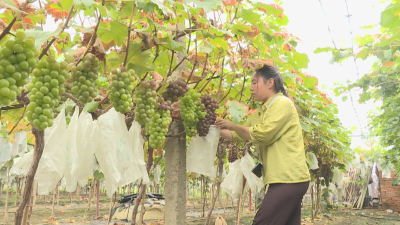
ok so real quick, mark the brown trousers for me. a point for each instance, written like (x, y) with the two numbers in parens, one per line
(281, 205)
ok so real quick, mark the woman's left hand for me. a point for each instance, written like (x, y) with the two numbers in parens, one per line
(225, 124)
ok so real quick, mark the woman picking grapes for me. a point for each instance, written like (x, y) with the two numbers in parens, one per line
(276, 129)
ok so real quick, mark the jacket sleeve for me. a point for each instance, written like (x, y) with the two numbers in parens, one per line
(267, 132)
(236, 138)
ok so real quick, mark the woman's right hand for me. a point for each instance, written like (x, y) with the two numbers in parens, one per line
(226, 134)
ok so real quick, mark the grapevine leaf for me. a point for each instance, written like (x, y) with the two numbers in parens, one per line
(305, 126)
(219, 43)
(301, 59)
(172, 45)
(236, 111)
(41, 36)
(326, 49)
(87, 3)
(98, 175)
(112, 31)
(10, 4)
(207, 5)
(91, 106)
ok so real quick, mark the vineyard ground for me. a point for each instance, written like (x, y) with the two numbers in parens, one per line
(74, 213)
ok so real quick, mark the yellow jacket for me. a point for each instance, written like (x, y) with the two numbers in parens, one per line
(278, 133)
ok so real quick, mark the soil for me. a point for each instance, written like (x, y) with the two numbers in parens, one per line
(74, 213)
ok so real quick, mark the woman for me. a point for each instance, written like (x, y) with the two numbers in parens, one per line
(276, 129)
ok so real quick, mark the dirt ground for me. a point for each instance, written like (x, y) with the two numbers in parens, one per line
(74, 213)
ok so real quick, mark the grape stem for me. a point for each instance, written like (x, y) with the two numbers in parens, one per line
(92, 40)
(233, 78)
(17, 106)
(244, 81)
(208, 81)
(23, 114)
(222, 78)
(54, 39)
(8, 28)
(129, 35)
(141, 80)
(210, 78)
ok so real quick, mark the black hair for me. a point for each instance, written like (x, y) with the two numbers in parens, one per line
(268, 72)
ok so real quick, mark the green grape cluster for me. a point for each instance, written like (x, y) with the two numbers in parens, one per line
(84, 78)
(120, 89)
(45, 89)
(191, 111)
(158, 127)
(145, 98)
(18, 56)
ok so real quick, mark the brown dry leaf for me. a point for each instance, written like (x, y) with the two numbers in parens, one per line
(176, 113)
(3, 25)
(103, 92)
(62, 210)
(256, 63)
(69, 220)
(156, 76)
(98, 50)
(47, 207)
(186, 74)
(254, 32)
(388, 63)
(86, 39)
(48, 220)
(199, 58)
(79, 52)
(67, 206)
(229, 2)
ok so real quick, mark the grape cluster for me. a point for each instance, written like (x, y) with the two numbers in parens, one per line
(210, 105)
(17, 59)
(175, 90)
(44, 91)
(145, 97)
(158, 127)
(120, 89)
(233, 153)
(84, 78)
(191, 111)
(326, 172)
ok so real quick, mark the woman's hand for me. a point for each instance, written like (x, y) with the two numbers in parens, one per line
(225, 124)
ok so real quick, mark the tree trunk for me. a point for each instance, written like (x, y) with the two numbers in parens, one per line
(220, 170)
(91, 190)
(142, 209)
(54, 199)
(317, 203)
(38, 151)
(312, 204)
(143, 187)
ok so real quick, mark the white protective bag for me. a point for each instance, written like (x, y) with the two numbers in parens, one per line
(252, 181)
(137, 143)
(87, 140)
(20, 145)
(312, 161)
(114, 152)
(157, 175)
(52, 164)
(232, 183)
(22, 165)
(201, 153)
(6, 150)
(72, 159)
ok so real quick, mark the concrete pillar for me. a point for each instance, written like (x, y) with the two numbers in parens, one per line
(175, 175)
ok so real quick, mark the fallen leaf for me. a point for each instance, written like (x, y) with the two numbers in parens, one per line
(186, 74)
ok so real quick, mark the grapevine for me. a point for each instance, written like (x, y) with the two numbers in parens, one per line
(210, 105)
(191, 111)
(84, 78)
(18, 56)
(44, 91)
(120, 89)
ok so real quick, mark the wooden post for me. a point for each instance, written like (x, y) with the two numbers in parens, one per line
(98, 198)
(250, 202)
(8, 189)
(240, 202)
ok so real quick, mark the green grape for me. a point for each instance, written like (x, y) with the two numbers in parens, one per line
(44, 92)
(144, 105)
(191, 111)
(84, 76)
(17, 60)
(121, 103)
(158, 127)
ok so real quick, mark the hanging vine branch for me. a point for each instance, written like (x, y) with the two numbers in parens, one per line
(222, 78)
(8, 28)
(129, 34)
(54, 39)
